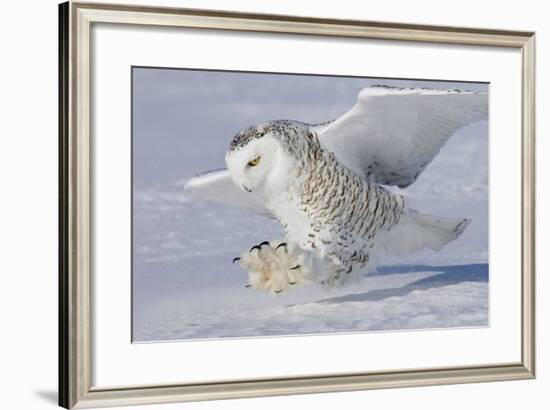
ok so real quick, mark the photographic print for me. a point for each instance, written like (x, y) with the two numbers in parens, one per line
(271, 204)
(225, 188)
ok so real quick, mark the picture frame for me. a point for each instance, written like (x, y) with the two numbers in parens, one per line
(76, 214)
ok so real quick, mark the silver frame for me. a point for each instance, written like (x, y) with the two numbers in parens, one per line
(75, 353)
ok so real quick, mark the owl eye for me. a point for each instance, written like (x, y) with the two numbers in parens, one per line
(254, 162)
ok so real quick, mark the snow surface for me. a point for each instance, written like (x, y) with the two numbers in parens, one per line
(184, 284)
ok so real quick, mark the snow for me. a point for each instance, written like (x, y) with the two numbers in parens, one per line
(390, 301)
(184, 284)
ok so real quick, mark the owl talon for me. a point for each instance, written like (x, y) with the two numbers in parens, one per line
(236, 259)
(273, 270)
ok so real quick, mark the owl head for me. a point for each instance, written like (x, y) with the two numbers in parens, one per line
(261, 158)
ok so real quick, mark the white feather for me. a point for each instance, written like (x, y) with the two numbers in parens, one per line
(416, 231)
(217, 186)
(392, 134)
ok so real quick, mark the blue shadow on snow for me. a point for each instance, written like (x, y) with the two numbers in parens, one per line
(445, 275)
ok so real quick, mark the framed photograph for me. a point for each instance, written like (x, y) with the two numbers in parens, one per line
(256, 205)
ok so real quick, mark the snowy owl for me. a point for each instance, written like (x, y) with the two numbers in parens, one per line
(330, 184)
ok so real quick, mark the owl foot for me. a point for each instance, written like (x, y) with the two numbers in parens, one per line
(275, 266)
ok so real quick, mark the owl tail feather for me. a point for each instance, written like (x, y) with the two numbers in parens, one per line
(416, 231)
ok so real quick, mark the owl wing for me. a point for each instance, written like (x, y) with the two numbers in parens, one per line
(217, 186)
(392, 134)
